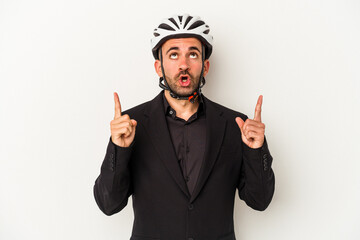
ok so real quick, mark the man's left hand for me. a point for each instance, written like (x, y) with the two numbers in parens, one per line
(253, 130)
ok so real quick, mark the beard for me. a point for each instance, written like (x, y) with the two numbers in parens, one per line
(179, 90)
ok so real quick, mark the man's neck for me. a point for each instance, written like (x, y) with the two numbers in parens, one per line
(184, 108)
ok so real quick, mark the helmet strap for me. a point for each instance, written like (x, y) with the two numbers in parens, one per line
(192, 97)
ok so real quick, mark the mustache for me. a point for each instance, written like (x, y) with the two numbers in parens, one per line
(184, 73)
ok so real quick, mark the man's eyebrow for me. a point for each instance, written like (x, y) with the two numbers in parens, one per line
(177, 48)
(194, 48)
(172, 48)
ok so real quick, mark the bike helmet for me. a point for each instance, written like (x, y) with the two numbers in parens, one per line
(181, 26)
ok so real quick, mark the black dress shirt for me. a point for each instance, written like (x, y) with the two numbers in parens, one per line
(188, 138)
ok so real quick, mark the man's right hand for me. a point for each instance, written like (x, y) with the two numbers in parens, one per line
(122, 127)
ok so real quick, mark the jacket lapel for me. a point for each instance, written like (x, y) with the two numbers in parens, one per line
(215, 129)
(158, 132)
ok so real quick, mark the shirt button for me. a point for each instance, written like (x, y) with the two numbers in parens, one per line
(265, 156)
(191, 207)
(187, 179)
(171, 112)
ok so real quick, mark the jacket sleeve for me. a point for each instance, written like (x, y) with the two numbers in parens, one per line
(257, 181)
(113, 186)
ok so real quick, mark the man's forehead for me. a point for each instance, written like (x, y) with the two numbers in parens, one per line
(182, 43)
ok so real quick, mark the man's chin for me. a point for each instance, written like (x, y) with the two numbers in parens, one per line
(183, 93)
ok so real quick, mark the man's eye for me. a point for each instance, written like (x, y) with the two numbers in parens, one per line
(193, 55)
(173, 55)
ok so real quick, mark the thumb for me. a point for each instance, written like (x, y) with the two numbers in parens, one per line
(134, 122)
(239, 122)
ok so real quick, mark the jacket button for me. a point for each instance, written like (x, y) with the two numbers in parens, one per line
(191, 207)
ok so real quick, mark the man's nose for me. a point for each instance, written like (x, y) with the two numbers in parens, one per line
(183, 63)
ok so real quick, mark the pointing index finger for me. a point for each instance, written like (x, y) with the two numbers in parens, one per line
(117, 106)
(257, 116)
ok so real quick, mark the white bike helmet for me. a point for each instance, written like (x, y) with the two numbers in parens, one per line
(182, 26)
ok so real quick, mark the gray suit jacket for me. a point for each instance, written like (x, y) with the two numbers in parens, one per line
(149, 171)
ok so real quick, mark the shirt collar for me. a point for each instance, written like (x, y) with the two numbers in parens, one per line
(168, 108)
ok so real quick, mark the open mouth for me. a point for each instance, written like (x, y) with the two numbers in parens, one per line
(184, 78)
(184, 81)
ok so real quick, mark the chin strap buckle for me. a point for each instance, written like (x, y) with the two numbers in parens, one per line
(193, 97)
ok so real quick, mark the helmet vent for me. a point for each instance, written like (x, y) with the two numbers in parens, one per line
(173, 21)
(165, 26)
(180, 18)
(196, 24)
(156, 34)
(187, 21)
(206, 31)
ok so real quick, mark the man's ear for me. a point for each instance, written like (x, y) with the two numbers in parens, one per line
(206, 67)
(157, 66)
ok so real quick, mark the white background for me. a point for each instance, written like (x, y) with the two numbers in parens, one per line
(61, 61)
